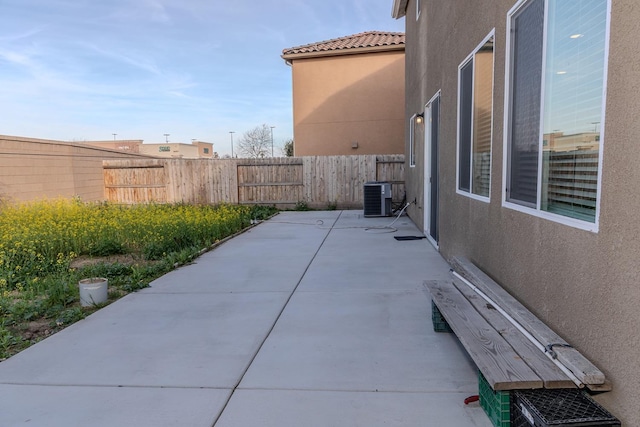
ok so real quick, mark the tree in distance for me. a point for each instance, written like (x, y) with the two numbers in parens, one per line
(256, 143)
(287, 149)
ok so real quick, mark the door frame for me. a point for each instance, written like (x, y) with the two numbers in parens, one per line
(428, 182)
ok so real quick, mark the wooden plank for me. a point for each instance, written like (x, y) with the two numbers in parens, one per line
(308, 178)
(497, 360)
(551, 375)
(270, 181)
(297, 163)
(390, 168)
(579, 365)
(110, 166)
(271, 184)
(269, 202)
(316, 180)
(135, 186)
(600, 388)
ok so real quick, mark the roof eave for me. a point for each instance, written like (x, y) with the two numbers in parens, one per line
(341, 52)
(399, 8)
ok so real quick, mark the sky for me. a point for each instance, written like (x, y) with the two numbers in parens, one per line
(78, 70)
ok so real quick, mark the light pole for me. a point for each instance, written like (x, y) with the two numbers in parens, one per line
(231, 133)
(114, 136)
(166, 137)
(272, 140)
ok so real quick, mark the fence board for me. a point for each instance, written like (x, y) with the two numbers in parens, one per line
(134, 181)
(275, 181)
(391, 169)
(318, 181)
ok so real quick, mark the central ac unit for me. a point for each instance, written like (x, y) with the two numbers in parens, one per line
(377, 199)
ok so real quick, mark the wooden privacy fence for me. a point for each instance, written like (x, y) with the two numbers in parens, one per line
(317, 181)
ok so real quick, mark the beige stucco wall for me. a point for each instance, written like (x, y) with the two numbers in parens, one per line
(178, 150)
(128, 145)
(33, 169)
(342, 100)
(205, 149)
(585, 285)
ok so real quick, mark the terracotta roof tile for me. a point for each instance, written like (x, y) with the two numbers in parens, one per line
(360, 40)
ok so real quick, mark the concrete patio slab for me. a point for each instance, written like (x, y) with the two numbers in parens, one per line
(230, 274)
(160, 340)
(369, 271)
(360, 341)
(277, 408)
(294, 233)
(308, 319)
(109, 406)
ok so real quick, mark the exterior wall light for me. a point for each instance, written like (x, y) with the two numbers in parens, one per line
(419, 118)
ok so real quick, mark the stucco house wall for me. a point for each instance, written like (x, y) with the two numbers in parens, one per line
(583, 284)
(348, 101)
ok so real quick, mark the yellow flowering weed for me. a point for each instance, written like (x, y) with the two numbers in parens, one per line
(39, 240)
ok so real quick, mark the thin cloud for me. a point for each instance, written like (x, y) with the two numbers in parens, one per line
(158, 11)
(192, 68)
(135, 60)
(15, 58)
(21, 35)
(141, 11)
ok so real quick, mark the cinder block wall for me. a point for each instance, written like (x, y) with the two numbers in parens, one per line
(33, 169)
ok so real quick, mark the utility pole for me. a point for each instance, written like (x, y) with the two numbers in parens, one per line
(231, 133)
(272, 140)
(114, 136)
(166, 137)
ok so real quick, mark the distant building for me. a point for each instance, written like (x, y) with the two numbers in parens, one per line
(584, 141)
(348, 95)
(128, 145)
(195, 150)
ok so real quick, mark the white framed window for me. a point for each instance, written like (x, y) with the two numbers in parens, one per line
(475, 121)
(412, 141)
(556, 70)
(417, 9)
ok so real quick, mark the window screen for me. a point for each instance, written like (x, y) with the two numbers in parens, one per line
(464, 131)
(526, 81)
(555, 106)
(475, 114)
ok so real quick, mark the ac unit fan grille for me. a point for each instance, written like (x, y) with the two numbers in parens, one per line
(377, 199)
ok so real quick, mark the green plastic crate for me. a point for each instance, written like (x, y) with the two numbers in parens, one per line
(439, 324)
(496, 404)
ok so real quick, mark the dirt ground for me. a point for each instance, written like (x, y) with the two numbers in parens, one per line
(39, 329)
(85, 260)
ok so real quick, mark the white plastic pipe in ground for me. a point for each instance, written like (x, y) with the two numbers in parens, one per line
(519, 327)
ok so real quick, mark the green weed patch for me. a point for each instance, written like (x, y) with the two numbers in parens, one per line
(47, 247)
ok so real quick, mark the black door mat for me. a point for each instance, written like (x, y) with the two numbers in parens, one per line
(401, 238)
